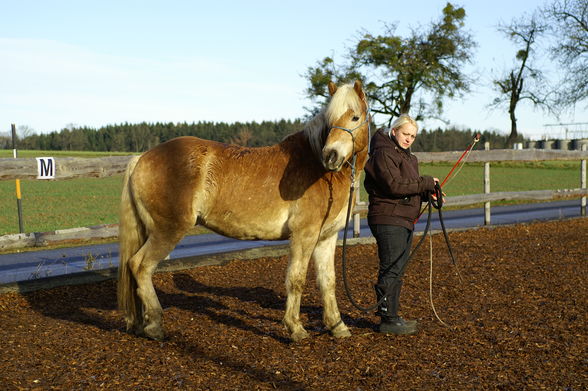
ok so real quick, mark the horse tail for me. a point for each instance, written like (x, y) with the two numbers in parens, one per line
(131, 234)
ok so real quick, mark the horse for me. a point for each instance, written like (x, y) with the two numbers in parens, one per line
(297, 189)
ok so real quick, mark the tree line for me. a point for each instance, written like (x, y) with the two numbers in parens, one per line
(141, 137)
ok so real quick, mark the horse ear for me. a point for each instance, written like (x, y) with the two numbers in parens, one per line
(359, 89)
(332, 88)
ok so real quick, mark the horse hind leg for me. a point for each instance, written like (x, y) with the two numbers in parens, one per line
(324, 261)
(143, 264)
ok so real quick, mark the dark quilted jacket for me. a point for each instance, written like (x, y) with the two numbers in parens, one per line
(393, 183)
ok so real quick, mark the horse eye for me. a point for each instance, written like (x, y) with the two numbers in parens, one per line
(355, 118)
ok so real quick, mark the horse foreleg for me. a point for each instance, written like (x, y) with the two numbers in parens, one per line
(324, 261)
(300, 253)
(143, 265)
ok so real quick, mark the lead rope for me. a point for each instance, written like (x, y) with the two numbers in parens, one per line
(344, 257)
(431, 280)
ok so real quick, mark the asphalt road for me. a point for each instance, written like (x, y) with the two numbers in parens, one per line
(17, 267)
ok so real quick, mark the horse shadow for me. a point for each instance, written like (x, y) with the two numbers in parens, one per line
(202, 299)
(257, 296)
(92, 303)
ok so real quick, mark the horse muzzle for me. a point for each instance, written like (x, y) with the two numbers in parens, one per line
(332, 160)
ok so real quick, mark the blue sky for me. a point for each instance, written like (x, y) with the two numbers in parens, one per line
(94, 63)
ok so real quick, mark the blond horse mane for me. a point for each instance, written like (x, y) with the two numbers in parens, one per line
(318, 128)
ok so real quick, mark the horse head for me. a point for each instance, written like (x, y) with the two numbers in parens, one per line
(348, 123)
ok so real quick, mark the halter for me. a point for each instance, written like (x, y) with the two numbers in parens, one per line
(350, 131)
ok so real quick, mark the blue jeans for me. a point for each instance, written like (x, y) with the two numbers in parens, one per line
(394, 245)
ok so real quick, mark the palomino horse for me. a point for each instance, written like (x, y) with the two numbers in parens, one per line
(297, 190)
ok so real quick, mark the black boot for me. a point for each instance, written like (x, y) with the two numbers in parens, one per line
(391, 322)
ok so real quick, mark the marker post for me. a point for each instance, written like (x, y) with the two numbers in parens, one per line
(18, 194)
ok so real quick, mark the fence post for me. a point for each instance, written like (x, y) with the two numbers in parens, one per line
(17, 182)
(583, 183)
(487, 186)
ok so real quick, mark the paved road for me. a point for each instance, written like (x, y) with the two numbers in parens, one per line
(48, 263)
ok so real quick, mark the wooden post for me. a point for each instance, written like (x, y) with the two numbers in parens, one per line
(583, 183)
(487, 186)
(17, 181)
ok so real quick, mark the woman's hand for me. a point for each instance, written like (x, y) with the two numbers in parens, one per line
(443, 193)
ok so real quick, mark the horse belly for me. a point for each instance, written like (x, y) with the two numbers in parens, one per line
(248, 222)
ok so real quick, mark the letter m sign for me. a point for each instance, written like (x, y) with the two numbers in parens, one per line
(45, 168)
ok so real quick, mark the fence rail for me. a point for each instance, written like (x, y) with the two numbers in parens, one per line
(65, 167)
(72, 167)
(472, 199)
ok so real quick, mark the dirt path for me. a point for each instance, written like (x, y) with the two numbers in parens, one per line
(519, 321)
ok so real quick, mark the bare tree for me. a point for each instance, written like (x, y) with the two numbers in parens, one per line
(523, 81)
(24, 131)
(242, 138)
(568, 22)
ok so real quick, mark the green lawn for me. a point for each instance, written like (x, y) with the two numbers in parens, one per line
(505, 176)
(51, 205)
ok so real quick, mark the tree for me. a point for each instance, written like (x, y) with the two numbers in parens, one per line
(397, 71)
(23, 132)
(242, 138)
(523, 81)
(568, 22)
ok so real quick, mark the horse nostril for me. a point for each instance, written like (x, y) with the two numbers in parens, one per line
(332, 159)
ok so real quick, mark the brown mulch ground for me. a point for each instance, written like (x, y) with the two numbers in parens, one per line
(518, 321)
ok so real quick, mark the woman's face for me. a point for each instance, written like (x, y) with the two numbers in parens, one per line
(405, 135)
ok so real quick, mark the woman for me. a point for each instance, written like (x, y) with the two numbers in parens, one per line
(396, 191)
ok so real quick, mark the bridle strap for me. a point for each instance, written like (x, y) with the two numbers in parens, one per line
(350, 131)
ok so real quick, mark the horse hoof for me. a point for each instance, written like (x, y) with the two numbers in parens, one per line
(341, 331)
(299, 335)
(135, 329)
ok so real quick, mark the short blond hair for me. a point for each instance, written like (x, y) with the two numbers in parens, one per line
(402, 120)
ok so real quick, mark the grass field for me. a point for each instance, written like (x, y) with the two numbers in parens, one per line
(51, 205)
